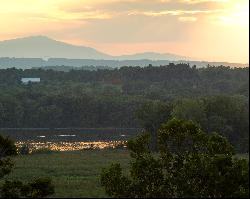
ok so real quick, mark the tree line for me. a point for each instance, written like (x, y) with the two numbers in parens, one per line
(216, 98)
(164, 82)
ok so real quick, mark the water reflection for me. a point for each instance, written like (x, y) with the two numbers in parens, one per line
(70, 146)
(65, 135)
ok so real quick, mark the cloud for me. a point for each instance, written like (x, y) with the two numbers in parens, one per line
(175, 12)
(176, 23)
(128, 6)
(189, 19)
(204, 1)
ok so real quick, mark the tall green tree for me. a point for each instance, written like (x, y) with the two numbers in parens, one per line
(151, 116)
(190, 163)
(190, 109)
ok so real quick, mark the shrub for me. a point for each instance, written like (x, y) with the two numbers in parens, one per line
(190, 163)
(40, 188)
(24, 150)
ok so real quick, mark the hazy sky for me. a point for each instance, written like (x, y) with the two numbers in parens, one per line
(214, 30)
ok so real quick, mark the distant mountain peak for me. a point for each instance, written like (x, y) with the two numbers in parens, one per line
(153, 56)
(35, 37)
(40, 46)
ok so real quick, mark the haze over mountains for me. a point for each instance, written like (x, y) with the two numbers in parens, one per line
(41, 51)
(44, 47)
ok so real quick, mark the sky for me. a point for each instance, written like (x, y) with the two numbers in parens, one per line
(212, 30)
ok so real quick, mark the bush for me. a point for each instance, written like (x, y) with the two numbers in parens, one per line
(190, 163)
(40, 188)
(24, 150)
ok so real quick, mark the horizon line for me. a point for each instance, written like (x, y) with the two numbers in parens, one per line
(115, 56)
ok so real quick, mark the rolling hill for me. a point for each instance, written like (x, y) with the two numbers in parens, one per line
(44, 47)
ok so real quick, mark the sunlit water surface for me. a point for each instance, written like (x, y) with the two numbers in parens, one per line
(70, 146)
(70, 139)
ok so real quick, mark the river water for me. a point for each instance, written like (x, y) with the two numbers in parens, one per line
(69, 139)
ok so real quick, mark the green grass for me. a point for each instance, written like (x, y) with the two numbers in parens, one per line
(243, 156)
(74, 174)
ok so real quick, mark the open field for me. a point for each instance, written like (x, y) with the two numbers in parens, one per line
(244, 155)
(74, 174)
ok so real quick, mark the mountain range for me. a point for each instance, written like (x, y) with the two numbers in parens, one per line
(41, 51)
(44, 47)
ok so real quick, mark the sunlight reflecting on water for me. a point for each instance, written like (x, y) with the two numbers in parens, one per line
(70, 146)
(66, 135)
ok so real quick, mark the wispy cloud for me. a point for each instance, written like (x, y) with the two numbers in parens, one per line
(174, 12)
(172, 25)
(204, 1)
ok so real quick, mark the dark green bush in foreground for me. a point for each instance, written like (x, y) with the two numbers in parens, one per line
(39, 188)
(190, 163)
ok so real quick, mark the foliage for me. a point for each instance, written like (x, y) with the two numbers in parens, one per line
(7, 149)
(216, 98)
(151, 116)
(190, 109)
(24, 150)
(224, 114)
(190, 163)
(15, 189)
(75, 174)
(40, 188)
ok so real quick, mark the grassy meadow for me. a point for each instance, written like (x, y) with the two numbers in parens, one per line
(244, 155)
(74, 174)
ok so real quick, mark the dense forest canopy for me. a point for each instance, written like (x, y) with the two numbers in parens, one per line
(171, 80)
(216, 98)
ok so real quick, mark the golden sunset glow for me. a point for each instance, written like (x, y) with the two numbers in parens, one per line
(196, 28)
(70, 146)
